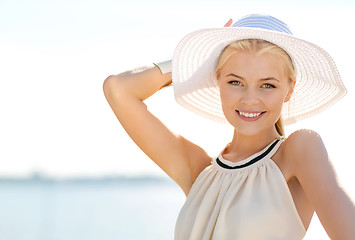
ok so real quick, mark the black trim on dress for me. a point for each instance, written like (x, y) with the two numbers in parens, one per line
(254, 160)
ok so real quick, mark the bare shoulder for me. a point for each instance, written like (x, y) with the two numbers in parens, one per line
(304, 147)
(303, 142)
(302, 135)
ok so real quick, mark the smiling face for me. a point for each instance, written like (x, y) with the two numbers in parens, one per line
(253, 88)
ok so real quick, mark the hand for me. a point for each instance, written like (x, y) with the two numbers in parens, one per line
(229, 23)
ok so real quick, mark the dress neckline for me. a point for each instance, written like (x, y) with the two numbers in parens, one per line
(267, 152)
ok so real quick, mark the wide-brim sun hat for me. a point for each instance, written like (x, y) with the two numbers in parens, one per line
(318, 83)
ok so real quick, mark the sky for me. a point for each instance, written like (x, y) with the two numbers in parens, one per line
(55, 55)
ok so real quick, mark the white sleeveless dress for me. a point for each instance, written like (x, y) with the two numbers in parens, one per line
(246, 200)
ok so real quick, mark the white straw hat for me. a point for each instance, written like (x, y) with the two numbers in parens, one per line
(318, 83)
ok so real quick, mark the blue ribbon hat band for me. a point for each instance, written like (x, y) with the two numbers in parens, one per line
(263, 22)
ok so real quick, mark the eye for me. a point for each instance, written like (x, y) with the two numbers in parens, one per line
(268, 85)
(235, 82)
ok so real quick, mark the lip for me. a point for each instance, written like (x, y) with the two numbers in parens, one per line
(250, 119)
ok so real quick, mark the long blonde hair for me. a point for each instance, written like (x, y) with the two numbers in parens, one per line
(259, 47)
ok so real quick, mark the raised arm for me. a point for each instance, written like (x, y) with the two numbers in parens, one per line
(179, 158)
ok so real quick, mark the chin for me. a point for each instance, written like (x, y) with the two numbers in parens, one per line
(249, 132)
(253, 129)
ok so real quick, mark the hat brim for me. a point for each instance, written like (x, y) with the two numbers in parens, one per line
(318, 84)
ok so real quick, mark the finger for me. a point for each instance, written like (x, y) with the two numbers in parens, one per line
(229, 23)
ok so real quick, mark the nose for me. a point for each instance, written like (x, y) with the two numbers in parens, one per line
(250, 96)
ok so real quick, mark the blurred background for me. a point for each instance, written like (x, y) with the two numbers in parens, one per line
(67, 168)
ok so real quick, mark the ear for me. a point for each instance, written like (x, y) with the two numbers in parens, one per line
(292, 87)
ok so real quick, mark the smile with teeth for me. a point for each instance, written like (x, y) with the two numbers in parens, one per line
(249, 115)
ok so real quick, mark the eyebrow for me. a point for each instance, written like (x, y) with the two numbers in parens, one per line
(263, 79)
(270, 78)
(235, 75)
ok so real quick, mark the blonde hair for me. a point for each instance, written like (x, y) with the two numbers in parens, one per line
(259, 47)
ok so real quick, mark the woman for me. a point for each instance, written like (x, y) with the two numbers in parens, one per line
(254, 75)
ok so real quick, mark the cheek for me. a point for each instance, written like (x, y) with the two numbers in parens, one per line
(274, 101)
(277, 105)
(226, 95)
(228, 102)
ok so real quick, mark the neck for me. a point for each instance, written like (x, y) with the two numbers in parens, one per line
(246, 145)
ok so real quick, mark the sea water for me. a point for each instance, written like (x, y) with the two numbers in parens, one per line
(89, 209)
(110, 209)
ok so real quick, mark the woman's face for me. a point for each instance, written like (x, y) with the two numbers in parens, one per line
(253, 89)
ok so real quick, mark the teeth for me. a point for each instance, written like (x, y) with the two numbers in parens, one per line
(249, 114)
